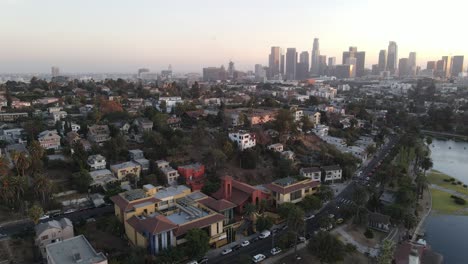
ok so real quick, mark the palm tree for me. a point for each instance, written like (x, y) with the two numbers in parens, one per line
(21, 161)
(43, 186)
(6, 190)
(249, 209)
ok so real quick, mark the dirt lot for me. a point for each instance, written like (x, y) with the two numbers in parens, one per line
(19, 251)
(357, 233)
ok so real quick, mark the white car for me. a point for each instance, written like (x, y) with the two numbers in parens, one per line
(258, 258)
(245, 243)
(308, 217)
(265, 234)
(275, 251)
(69, 211)
(226, 251)
(44, 217)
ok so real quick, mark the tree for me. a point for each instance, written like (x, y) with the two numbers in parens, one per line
(264, 223)
(249, 209)
(198, 241)
(228, 149)
(81, 180)
(426, 164)
(325, 193)
(327, 247)
(284, 122)
(284, 208)
(216, 157)
(35, 212)
(37, 153)
(42, 186)
(386, 252)
(369, 234)
(311, 202)
(21, 161)
(307, 124)
(295, 222)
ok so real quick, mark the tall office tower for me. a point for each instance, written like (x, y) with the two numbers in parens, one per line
(343, 71)
(360, 63)
(447, 65)
(382, 60)
(431, 65)
(322, 64)
(403, 67)
(457, 65)
(260, 73)
(302, 68)
(315, 64)
(392, 57)
(291, 61)
(351, 53)
(332, 62)
(412, 64)
(375, 69)
(440, 69)
(55, 71)
(282, 64)
(304, 58)
(231, 70)
(274, 62)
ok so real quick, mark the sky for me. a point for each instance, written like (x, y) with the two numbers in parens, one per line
(124, 35)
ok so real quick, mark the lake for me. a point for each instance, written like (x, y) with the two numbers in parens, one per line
(448, 234)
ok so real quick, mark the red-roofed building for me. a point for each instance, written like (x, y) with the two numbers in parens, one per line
(240, 193)
(194, 175)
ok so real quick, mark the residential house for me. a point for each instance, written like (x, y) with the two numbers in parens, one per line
(243, 139)
(291, 190)
(138, 157)
(12, 117)
(72, 251)
(170, 174)
(378, 222)
(388, 197)
(313, 173)
(12, 135)
(143, 125)
(332, 173)
(158, 218)
(240, 193)
(102, 177)
(160, 164)
(193, 175)
(52, 232)
(136, 154)
(98, 133)
(72, 138)
(49, 139)
(59, 115)
(277, 147)
(173, 122)
(96, 162)
(124, 169)
(73, 126)
(122, 126)
(289, 155)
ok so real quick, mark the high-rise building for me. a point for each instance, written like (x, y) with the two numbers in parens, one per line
(231, 70)
(382, 60)
(260, 73)
(360, 63)
(291, 62)
(214, 74)
(412, 68)
(282, 64)
(302, 68)
(343, 71)
(322, 64)
(348, 54)
(375, 69)
(315, 63)
(331, 61)
(274, 62)
(447, 65)
(304, 58)
(457, 65)
(403, 67)
(431, 65)
(440, 69)
(55, 71)
(392, 57)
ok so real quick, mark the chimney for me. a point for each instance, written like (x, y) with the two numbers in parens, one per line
(227, 187)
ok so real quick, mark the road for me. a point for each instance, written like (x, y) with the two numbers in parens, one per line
(264, 246)
(16, 228)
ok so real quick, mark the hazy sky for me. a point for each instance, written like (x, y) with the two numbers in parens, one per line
(123, 35)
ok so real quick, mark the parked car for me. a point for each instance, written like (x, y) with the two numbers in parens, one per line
(258, 258)
(275, 251)
(308, 217)
(44, 217)
(226, 251)
(264, 234)
(236, 247)
(245, 243)
(301, 239)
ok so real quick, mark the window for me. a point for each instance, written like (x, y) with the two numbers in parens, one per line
(296, 195)
(45, 237)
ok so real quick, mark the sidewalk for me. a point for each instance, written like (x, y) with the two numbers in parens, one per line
(7, 223)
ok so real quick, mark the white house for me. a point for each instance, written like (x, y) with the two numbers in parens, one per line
(96, 162)
(332, 173)
(243, 139)
(52, 232)
(277, 147)
(313, 173)
(49, 139)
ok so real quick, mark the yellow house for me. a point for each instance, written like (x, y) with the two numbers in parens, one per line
(121, 170)
(158, 218)
(291, 190)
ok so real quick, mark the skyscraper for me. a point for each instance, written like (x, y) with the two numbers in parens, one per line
(412, 64)
(282, 64)
(431, 65)
(231, 70)
(55, 71)
(260, 73)
(360, 63)
(392, 58)
(274, 62)
(447, 65)
(331, 62)
(302, 68)
(457, 65)
(291, 61)
(382, 60)
(403, 67)
(315, 63)
(322, 64)
(356, 59)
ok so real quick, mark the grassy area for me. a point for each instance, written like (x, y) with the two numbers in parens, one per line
(442, 203)
(436, 177)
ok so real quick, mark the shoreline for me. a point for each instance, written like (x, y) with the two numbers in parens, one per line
(442, 191)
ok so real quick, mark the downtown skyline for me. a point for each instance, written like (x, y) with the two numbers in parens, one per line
(108, 36)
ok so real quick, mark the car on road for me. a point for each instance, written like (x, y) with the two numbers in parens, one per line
(226, 251)
(308, 217)
(203, 260)
(245, 243)
(264, 234)
(301, 239)
(258, 258)
(236, 247)
(44, 217)
(69, 211)
(339, 220)
(275, 251)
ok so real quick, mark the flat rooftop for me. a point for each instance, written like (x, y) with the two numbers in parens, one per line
(74, 250)
(285, 181)
(171, 191)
